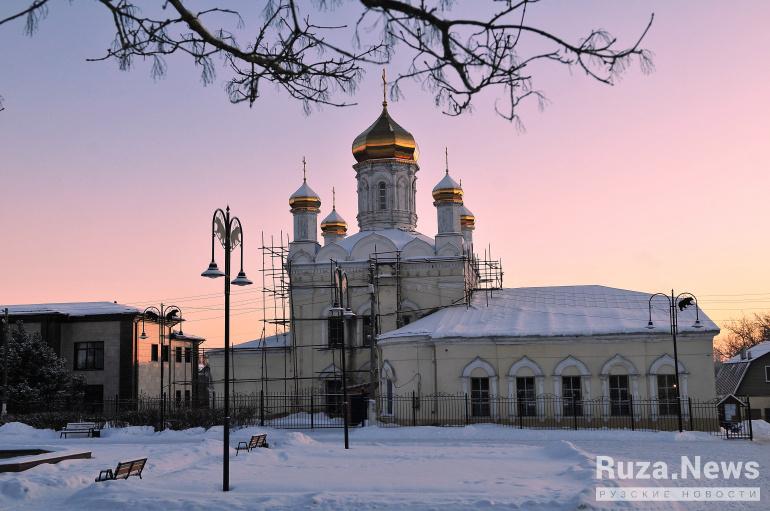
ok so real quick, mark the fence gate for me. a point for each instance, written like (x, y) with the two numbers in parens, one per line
(310, 410)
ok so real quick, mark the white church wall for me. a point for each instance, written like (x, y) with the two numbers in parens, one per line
(415, 361)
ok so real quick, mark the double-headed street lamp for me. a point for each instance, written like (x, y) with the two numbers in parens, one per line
(229, 231)
(165, 316)
(341, 309)
(676, 304)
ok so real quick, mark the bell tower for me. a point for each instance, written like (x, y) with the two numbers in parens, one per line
(386, 171)
(305, 205)
(448, 199)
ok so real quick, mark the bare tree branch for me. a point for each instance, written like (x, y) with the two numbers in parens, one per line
(455, 59)
(743, 334)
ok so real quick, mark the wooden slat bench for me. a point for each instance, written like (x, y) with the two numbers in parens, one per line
(91, 429)
(124, 470)
(255, 442)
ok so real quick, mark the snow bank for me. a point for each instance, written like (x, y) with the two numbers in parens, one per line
(422, 468)
(18, 431)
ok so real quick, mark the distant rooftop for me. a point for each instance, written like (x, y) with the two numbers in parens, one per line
(271, 342)
(72, 309)
(734, 369)
(754, 352)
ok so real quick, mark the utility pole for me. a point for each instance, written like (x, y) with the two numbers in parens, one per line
(372, 332)
(7, 324)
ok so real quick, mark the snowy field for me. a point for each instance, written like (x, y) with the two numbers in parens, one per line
(475, 467)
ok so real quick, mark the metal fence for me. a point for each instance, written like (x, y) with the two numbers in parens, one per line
(313, 409)
(553, 412)
(307, 410)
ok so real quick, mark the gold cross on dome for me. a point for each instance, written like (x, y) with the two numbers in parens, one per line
(384, 88)
(446, 159)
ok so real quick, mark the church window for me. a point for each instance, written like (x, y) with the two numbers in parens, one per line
(382, 196)
(480, 397)
(336, 332)
(525, 396)
(619, 402)
(572, 394)
(667, 394)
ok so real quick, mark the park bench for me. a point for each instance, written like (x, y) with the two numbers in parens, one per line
(255, 442)
(124, 470)
(91, 429)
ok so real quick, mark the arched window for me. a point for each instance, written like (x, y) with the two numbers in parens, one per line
(388, 378)
(572, 384)
(619, 382)
(525, 384)
(382, 197)
(663, 385)
(480, 382)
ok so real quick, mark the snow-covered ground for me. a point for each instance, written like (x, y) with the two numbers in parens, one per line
(423, 468)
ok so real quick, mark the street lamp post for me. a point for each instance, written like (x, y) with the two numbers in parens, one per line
(165, 316)
(229, 231)
(680, 302)
(7, 343)
(341, 309)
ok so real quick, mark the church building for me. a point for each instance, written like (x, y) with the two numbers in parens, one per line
(425, 315)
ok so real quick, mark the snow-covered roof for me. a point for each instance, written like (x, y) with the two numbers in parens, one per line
(71, 309)
(551, 312)
(755, 351)
(274, 341)
(399, 238)
(729, 377)
(187, 337)
(734, 369)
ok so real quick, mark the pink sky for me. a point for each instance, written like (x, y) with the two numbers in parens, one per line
(109, 179)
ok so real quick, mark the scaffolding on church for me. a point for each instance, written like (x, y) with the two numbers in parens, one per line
(278, 365)
(487, 273)
(276, 302)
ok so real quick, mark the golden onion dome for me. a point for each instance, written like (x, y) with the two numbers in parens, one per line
(467, 219)
(334, 224)
(304, 199)
(385, 139)
(448, 190)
